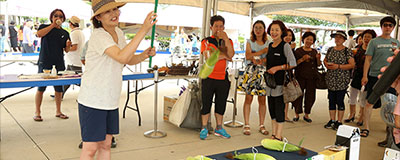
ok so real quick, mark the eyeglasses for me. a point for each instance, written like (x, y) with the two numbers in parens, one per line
(388, 25)
(58, 16)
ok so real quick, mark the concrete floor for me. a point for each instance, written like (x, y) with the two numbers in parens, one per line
(23, 138)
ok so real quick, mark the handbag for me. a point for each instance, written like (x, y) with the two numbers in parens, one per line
(321, 81)
(291, 88)
(270, 80)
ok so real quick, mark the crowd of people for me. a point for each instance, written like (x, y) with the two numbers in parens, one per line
(352, 65)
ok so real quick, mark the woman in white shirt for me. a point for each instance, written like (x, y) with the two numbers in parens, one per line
(101, 83)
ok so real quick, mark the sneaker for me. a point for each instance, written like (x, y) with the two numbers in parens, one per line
(329, 124)
(203, 134)
(222, 133)
(336, 125)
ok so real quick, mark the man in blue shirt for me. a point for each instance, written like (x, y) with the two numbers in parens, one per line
(379, 49)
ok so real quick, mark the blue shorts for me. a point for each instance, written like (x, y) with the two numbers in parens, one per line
(96, 123)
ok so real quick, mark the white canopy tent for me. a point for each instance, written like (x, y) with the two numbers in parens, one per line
(34, 8)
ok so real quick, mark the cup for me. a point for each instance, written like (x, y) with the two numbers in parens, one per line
(257, 59)
(58, 22)
(46, 71)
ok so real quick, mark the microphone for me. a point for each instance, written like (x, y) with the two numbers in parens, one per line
(384, 83)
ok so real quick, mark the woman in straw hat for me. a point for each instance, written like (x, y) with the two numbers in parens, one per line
(101, 83)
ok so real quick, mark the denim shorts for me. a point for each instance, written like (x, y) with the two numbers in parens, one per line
(96, 123)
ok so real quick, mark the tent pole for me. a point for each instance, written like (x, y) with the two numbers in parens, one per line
(347, 22)
(215, 7)
(251, 14)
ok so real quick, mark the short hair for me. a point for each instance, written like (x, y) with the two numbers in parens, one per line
(12, 22)
(253, 35)
(293, 36)
(281, 26)
(96, 23)
(351, 32)
(88, 25)
(216, 18)
(54, 12)
(307, 34)
(388, 19)
(369, 31)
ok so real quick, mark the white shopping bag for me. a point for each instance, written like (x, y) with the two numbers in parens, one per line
(180, 108)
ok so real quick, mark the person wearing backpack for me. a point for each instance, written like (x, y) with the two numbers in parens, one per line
(338, 61)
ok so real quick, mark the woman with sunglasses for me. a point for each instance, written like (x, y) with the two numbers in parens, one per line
(54, 41)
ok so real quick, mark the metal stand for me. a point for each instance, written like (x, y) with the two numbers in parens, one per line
(233, 123)
(155, 133)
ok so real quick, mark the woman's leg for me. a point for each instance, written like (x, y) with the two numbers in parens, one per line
(246, 108)
(105, 148)
(262, 109)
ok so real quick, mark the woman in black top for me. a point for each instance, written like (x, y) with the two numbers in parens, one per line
(355, 89)
(13, 36)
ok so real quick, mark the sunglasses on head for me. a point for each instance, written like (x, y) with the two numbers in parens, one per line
(388, 25)
(58, 16)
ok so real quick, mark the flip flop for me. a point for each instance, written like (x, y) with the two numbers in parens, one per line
(62, 116)
(37, 118)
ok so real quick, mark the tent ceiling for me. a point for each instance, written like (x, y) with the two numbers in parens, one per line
(356, 16)
(292, 7)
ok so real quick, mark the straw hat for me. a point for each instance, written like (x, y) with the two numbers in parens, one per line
(74, 20)
(100, 6)
(340, 33)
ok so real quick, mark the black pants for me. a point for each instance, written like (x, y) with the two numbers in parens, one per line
(336, 98)
(309, 85)
(276, 108)
(71, 68)
(219, 88)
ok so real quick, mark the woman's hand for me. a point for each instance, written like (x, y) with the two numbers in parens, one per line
(275, 69)
(151, 51)
(364, 81)
(149, 21)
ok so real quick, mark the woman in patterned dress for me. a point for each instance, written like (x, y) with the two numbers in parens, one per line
(339, 61)
(253, 82)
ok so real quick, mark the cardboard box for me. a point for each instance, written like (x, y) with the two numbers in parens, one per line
(349, 136)
(331, 155)
(391, 154)
(169, 102)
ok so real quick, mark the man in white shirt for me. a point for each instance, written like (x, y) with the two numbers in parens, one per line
(73, 57)
(350, 42)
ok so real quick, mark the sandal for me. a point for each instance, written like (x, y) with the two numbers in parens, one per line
(275, 138)
(246, 131)
(364, 133)
(262, 130)
(37, 118)
(62, 116)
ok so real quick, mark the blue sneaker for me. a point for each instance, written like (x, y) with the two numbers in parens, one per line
(222, 133)
(203, 134)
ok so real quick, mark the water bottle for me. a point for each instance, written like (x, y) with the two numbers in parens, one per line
(54, 71)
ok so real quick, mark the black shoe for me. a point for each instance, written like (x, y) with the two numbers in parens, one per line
(383, 143)
(349, 120)
(307, 119)
(113, 142)
(360, 123)
(329, 124)
(80, 145)
(295, 119)
(336, 125)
